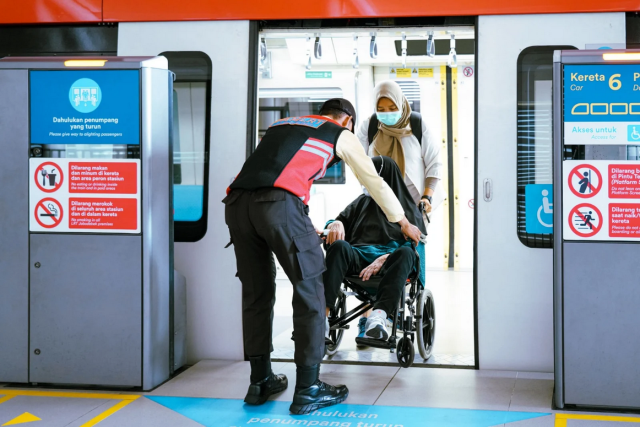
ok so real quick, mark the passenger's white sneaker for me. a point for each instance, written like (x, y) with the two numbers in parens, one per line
(376, 326)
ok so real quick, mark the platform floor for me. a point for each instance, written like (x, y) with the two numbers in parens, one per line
(209, 394)
(453, 295)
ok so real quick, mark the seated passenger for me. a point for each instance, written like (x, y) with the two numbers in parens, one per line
(362, 242)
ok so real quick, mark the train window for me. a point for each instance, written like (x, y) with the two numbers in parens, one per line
(191, 141)
(275, 104)
(534, 139)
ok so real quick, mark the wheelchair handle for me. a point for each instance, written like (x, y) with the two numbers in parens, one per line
(423, 211)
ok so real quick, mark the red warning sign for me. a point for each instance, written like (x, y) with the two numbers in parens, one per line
(49, 177)
(48, 213)
(585, 220)
(468, 71)
(103, 177)
(103, 213)
(624, 181)
(585, 181)
(624, 220)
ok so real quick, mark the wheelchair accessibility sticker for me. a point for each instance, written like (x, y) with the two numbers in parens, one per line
(633, 133)
(539, 208)
(585, 181)
(585, 220)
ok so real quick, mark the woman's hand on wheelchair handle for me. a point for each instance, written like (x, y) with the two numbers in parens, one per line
(424, 205)
(336, 232)
(374, 268)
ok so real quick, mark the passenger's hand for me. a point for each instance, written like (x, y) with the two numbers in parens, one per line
(426, 204)
(374, 268)
(336, 232)
(410, 231)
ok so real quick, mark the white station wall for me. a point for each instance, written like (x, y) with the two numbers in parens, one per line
(515, 283)
(214, 321)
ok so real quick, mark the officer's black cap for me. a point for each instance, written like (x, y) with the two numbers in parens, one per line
(340, 104)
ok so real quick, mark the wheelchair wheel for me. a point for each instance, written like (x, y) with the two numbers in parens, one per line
(335, 336)
(405, 352)
(426, 323)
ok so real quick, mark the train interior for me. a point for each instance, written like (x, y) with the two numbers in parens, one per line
(299, 70)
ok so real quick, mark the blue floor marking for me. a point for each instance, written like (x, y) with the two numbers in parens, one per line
(234, 413)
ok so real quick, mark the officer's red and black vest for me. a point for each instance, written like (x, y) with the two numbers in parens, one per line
(293, 153)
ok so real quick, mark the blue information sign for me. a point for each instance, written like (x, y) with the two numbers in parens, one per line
(85, 107)
(601, 104)
(539, 208)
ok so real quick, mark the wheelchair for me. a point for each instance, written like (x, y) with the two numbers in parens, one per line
(413, 320)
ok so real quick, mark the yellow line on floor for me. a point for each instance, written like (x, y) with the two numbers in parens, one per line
(561, 419)
(560, 422)
(5, 398)
(107, 413)
(13, 393)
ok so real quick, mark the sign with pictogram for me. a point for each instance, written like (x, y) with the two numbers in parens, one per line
(468, 71)
(48, 177)
(585, 181)
(95, 195)
(585, 220)
(48, 213)
(611, 186)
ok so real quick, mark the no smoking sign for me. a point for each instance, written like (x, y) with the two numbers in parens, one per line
(48, 213)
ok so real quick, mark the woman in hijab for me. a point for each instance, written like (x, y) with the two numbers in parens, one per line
(363, 242)
(419, 161)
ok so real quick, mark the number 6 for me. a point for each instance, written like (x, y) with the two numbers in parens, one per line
(614, 83)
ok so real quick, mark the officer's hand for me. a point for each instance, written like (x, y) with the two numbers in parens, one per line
(336, 232)
(374, 268)
(424, 204)
(410, 231)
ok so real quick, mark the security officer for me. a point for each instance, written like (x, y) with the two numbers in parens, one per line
(267, 212)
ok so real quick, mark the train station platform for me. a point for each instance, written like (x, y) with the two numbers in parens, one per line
(210, 394)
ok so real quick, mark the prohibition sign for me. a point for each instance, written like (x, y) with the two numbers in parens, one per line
(581, 217)
(581, 178)
(44, 178)
(468, 71)
(48, 213)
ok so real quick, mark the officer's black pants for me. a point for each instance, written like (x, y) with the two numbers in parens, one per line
(343, 260)
(275, 221)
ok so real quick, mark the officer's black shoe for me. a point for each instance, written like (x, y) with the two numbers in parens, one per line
(264, 382)
(312, 394)
(259, 392)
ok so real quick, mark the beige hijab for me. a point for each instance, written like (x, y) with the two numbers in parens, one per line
(386, 142)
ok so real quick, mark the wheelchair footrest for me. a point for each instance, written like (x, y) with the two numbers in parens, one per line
(387, 345)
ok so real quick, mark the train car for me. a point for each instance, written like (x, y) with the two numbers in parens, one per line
(479, 73)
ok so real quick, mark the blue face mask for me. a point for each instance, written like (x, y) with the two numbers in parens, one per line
(390, 118)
